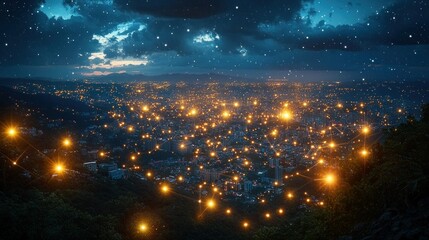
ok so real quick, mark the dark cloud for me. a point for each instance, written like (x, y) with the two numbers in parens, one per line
(403, 23)
(203, 33)
(29, 37)
(175, 8)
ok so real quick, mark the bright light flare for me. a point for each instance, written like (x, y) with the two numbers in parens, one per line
(286, 115)
(365, 130)
(59, 168)
(330, 179)
(12, 132)
(364, 152)
(143, 227)
(245, 224)
(165, 189)
(226, 114)
(211, 204)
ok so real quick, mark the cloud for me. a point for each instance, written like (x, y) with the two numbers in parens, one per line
(104, 34)
(195, 9)
(29, 37)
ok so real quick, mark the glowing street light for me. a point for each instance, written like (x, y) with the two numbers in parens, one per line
(165, 188)
(67, 142)
(286, 115)
(365, 130)
(12, 132)
(211, 204)
(59, 168)
(226, 114)
(267, 215)
(143, 227)
(290, 195)
(280, 211)
(228, 211)
(329, 179)
(364, 153)
(245, 224)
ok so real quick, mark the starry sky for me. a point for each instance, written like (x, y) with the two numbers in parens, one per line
(308, 40)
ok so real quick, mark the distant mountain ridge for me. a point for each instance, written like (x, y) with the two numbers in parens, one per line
(172, 77)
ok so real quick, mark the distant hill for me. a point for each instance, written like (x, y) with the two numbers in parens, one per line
(174, 77)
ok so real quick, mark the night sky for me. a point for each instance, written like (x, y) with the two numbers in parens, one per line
(294, 39)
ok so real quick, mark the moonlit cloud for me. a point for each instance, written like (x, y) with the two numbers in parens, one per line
(206, 37)
(216, 35)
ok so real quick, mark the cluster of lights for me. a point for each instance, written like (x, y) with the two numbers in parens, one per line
(287, 115)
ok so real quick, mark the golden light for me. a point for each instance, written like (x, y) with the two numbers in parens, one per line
(193, 112)
(130, 129)
(245, 224)
(286, 115)
(329, 179)
(339, 105)
(102, 154)
(211, 203)
(180, 178)
(212, 154)
(226, 114)
(267, 215)
(308, 200)
(165, 188)
(66, 142)
(331, 144)
(365, 130)
(280, 211)
(133, 157)
(290, 195)
(59, 168)
(236, 104)
(145, 108)
(235, 178)
(143, 227)
(149, 174)
(321, 161)
(305, 104)
(182, 146)
(364, 152)
(11, 131)
(228, 211)
(274, 132)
